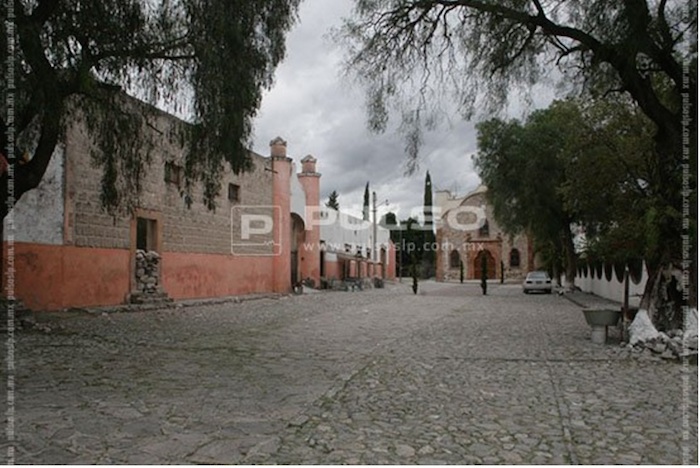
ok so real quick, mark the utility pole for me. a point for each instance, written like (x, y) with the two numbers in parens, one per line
(374, 227)
(400, 250)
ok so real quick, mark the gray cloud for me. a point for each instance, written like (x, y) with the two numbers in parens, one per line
(319, 113)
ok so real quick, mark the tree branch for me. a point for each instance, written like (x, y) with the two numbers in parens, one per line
(157, 51)
(637, 85)
(44, 10)
(664, 29)
(50, 98)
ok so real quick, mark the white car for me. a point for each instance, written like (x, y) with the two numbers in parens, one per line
(537, 281)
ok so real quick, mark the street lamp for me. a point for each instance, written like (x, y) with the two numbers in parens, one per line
(374, 227)
(400, 250)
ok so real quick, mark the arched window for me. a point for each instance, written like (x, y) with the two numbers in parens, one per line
(454, 259)
(515, 258)
(484, 230)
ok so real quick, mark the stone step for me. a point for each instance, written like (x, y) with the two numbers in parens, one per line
(157, 297)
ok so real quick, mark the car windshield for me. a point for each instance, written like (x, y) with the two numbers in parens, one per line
(537, 275)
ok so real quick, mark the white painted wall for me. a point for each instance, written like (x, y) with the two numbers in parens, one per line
(38, 215)
(613, 289)
(298, 202)
(340, 228)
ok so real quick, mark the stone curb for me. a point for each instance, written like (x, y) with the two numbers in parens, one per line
(596, 300)
(167, 306)
(98, 310)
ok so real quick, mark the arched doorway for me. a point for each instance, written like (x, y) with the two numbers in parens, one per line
(322, 258)
(490, 265)
(297, 240)
(455, 260)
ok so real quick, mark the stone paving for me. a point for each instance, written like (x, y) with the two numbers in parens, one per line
(380, 376)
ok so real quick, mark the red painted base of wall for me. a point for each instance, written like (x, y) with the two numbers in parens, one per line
(188, 276)
(52, 277)
(332, 269)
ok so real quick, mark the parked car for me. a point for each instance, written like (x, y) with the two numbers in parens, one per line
(537, 281)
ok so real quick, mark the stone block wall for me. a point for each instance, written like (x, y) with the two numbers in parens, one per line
(193, 229)
(469, 242)
(147, 271)
(89, 256)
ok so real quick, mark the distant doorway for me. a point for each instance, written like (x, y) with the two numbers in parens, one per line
(490, 265)
(145, 234)
(322, 256)
(382, 259)
(297, 240)
(146, 263)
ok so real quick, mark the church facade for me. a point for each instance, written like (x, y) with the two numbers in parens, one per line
(467, 232)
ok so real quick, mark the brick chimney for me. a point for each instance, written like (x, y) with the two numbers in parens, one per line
(308, 165)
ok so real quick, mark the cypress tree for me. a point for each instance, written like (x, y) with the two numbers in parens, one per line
(333, 201)
(365, 204)
(428, 203)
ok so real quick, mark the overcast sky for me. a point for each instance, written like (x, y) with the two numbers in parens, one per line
(320, 113)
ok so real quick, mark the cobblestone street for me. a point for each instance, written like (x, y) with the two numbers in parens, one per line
(380, 376)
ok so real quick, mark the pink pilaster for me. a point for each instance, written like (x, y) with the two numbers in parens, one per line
(281, 200)
(310, 256)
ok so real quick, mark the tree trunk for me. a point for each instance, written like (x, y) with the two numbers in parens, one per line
(668, 294)
(28, 176)
(663, 298)
(569, 259)
(693, 279)
(556, 273)
(49, 105)
(3, 293)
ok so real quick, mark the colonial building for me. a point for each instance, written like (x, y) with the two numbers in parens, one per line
(262, 237)
(348, 249)
(467, 231)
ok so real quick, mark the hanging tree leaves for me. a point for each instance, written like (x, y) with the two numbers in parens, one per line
(410, 53)
(209, 58)
(413, 55)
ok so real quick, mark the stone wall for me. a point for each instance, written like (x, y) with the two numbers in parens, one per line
(184, 229)
(604, 282)
(471, 241)
(87, 224)
(38, 215)
(147, 271)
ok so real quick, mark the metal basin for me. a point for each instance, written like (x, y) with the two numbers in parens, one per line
(601, 317)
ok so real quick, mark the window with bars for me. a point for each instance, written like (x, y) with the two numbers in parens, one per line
(173, 173)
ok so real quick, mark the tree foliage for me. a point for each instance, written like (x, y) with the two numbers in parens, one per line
(389, 221)
(333, 201)
(430, 256)
(608, 180)
(365, 203)
(524, 165)
(484, 273)
(208, 58)
(589, 164)
(428, 202)
(409, 54)
(412, 55)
